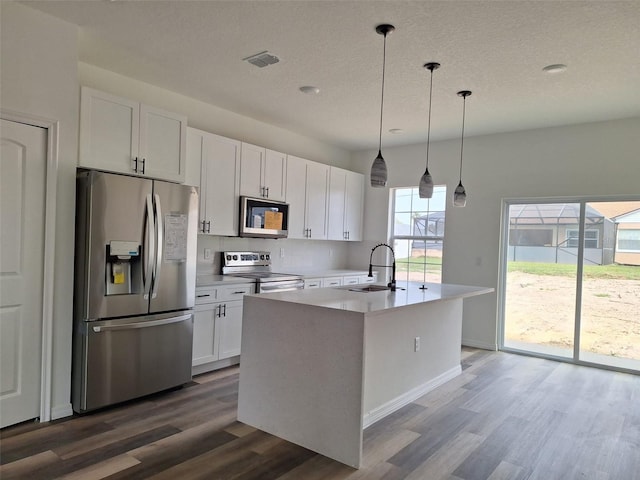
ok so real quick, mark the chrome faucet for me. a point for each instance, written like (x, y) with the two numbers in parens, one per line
(392, 283)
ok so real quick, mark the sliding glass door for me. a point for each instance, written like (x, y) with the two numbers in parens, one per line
(610, 306)
(571, 281)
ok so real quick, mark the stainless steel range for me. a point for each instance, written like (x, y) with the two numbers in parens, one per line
(257, 266)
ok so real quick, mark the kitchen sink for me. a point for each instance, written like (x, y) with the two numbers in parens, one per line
(369, 288)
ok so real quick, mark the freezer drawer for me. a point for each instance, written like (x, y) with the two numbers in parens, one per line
(117, 360)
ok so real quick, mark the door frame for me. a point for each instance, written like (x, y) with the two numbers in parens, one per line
(46, 368)
(582, 200)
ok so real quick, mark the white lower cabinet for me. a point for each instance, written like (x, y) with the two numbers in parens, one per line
(331, 282)
(217, 325)
(351, 280)
(336, 281)
(313, 283)
(368, 279)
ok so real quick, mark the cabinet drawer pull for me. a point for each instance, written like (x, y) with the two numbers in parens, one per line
(239, 292)
(202, 296)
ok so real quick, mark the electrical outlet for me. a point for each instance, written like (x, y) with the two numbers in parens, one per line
(416, 344)
(207, 253)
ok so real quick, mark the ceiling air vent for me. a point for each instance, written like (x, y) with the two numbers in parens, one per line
(262, 59)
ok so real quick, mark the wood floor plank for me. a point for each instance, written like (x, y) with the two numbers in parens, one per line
(505, 417)
(447, 458)
(103, 469)
(22, 468)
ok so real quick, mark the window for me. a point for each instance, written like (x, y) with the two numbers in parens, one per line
(530, 237)
(628, 240)
(590, 238)
(418, 234)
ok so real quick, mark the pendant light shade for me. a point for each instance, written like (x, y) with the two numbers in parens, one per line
(379, 167)
(425, 189)
(460, 194)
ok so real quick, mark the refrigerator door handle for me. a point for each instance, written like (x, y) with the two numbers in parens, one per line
(160, 242)
(150, 240)
(150, 323)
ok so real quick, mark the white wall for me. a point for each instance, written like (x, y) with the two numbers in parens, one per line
(596, 159)
(39, 77)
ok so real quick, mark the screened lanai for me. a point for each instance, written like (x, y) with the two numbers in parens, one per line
(549, 233)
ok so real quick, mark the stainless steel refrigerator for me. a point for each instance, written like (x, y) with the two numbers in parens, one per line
(135, 264)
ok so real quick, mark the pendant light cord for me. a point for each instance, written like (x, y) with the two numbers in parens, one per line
(384, 61)
(464, 107)
(429, 118)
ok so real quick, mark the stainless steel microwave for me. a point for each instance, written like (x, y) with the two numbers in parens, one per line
(262, 218)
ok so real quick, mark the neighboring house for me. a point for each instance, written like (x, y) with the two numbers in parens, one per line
(549, 233)
(628, 237)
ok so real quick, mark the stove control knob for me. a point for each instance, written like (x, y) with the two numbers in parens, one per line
(228, 257)
(268, 257)
(235, 257)
(262, 257)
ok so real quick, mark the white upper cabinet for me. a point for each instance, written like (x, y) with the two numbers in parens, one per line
(296, 189)
(337, 193)
(307, 196)
(262, 172)
(354, 206)
(346, 198)
(163, 143)
(121, 135)
(219, 160)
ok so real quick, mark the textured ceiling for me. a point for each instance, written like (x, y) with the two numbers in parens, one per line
(495, 48)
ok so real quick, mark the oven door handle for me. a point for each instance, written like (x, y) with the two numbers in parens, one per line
(292, 285)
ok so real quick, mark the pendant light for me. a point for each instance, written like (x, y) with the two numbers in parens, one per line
(460, 195)
(379, 167)
(425, 189)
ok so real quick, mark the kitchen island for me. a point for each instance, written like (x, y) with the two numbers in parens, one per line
(319, 366)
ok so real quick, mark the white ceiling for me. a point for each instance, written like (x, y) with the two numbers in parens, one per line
(495, 48)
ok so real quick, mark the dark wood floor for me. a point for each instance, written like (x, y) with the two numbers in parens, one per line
(506, 417)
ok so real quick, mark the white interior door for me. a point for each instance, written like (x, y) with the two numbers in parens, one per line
(22, 198)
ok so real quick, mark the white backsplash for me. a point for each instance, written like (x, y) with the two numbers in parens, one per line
(287, 255)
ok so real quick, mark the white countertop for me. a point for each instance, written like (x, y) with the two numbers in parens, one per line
(344, 298)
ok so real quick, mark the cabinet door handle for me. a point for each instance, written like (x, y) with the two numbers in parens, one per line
(209, 227)
(267, 192)
(203, 224)
(224, 312)
(135, 168)
(144, 161)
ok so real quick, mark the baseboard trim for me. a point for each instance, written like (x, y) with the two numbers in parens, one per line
(395, 404)
(476, 344)
(217, 365)
(61, 411)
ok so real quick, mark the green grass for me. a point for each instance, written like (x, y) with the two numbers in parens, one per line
(416, 264)
(623, 272)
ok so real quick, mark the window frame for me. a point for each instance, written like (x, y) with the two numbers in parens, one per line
(438, 239)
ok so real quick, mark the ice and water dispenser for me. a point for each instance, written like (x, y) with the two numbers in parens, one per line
(124, 268)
